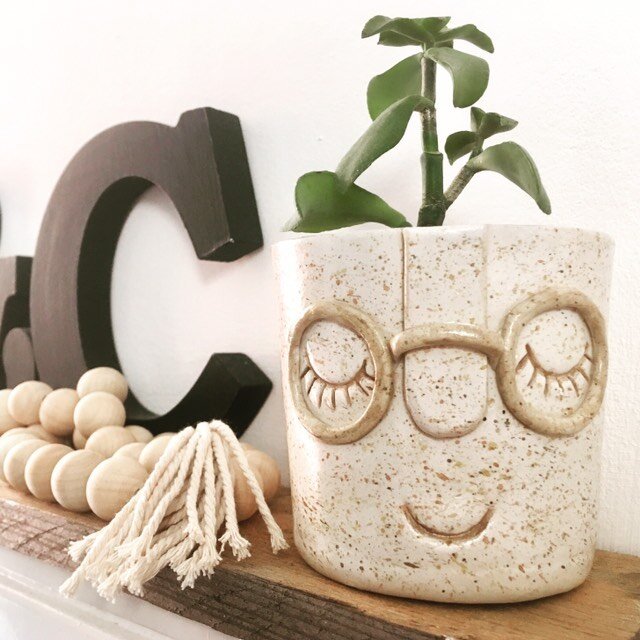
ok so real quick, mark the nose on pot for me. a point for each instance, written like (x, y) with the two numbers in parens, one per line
(445, 390)
(445, 363)
(445, 376)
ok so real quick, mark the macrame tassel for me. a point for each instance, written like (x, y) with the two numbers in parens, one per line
(175, 518)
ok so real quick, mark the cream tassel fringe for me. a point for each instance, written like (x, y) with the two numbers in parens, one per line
(174, 519)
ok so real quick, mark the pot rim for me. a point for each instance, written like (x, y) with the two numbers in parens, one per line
(357, 232)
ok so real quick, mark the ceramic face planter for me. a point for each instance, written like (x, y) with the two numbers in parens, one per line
(443, 390)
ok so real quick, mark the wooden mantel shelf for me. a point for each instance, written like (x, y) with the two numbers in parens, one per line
(280, 598)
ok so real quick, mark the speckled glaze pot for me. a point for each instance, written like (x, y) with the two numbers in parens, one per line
(443, 391)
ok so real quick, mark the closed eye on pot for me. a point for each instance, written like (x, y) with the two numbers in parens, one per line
(339, 372)
(334, 394)
(579, 374)
(337, 376)
(553, 369)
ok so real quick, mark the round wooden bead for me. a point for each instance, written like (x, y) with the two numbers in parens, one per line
(70, 476)
(16, 460)
(25, 400)
(243, 496)
(6, 419)
(112, 484)
(247, 447)
(268, 469)
(7, 442)
(140, 433)
(153, 451)
(56, 411)
(96, 410)
(78, 440)
(131, 450)
(103, 379)
(40, 465)
(108, 440)
(14, 431)
(39, 431)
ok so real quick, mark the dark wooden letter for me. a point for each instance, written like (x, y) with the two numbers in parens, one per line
(202, 165)
(15, 273)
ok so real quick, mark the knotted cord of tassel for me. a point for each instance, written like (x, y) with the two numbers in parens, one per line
(183, 517)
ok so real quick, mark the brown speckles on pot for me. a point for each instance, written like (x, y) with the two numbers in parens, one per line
(467, 464)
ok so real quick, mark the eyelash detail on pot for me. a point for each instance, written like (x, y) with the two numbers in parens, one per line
(360, 381)
(549, 376)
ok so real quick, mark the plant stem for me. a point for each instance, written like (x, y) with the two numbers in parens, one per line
(433, 207)
(458, 184)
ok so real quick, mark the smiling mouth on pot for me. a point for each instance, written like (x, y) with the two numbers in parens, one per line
(449, 537)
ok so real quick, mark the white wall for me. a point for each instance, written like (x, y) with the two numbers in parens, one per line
(296, 75)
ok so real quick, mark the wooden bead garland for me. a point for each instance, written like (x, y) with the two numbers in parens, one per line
(8, 441)
(70, 476)
(110, 463)
(140, 433)
(181, 508)
(108, 440)
(25, 400)
(40, 432)
(112, 484)
(7, 421)
(98, 409)
(100, 394)
(73, 476)
(56, 411)
(39, 468)
(15, 463)
(131, 450)
(78, 440)
(154, 450)
(103, 379)
(16, 431)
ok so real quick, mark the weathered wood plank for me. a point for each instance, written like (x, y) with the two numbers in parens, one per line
(279, 598)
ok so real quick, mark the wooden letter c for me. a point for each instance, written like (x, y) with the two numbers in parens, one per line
(202, 165)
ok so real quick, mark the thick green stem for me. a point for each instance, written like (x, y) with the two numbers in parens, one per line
(433, 207)
(458, 184)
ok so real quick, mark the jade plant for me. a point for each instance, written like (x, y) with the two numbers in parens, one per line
(330, 200)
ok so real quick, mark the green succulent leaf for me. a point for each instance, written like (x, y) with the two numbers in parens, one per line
(402, 32)
(411, 30)
(402, 80)
(476, 117)
(383, 134)
(483, 126)
(323, 203)
(470, 74)
(375, 25)
(494, 123)
(489, 124)
(459, 144)
(469, 33)
(393, 39)
(514, 163)
(434, 25)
